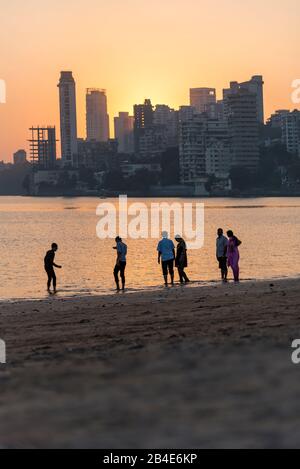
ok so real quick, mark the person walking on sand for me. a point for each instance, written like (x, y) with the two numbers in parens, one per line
(181, 261)
(120, 266)
(166, 256)
(222, 245)
(49, 267)
(233, 255)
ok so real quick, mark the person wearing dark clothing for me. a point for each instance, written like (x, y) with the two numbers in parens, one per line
(120, 266)
(221, 253)
(49, 267)
(181, 259)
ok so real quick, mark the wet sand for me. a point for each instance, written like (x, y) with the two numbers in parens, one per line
(201, 367)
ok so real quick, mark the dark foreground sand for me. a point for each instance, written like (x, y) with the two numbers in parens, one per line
(203, 367)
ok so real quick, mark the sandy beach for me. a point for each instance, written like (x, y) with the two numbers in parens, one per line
(199, 367)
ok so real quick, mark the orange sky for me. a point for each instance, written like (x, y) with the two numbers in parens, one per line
(137, 49)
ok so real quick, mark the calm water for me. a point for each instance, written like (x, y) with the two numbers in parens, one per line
(269, 229)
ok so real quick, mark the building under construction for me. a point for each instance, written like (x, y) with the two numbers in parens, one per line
(43, 147)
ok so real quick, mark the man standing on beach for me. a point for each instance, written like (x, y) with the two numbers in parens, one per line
(49, 267)
(166, 255)
(120, 266)
(222, 244)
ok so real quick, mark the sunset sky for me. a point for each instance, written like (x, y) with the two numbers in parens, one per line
(138, 49)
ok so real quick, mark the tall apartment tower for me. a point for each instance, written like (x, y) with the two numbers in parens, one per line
(192, 146)
(202, 98)
(97, 118)
(68, 118)
(166, 117)
(143, 118)
(255, 86)
(124, 124)
(243, 128)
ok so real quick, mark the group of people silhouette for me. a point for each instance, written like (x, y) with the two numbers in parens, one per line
(169, 256)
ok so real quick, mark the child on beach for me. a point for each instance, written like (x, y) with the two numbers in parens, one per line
(49, 267)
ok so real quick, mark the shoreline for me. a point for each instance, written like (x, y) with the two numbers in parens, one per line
(151, 290)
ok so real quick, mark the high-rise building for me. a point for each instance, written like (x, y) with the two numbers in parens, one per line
(20, 157)
(68, 118)
(255, 86)
(192, 147)
(166, 117)
(243, 128)
(43, 147)
(143, 118)
(217, 148)
(97, 118)
(124, 125)
(202, 98)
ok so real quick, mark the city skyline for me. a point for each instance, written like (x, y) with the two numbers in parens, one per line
(112, 118)
(172, 55)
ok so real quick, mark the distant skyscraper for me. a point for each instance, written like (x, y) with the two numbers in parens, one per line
(255, 86)
(192, 147)
(124, 125)
(68, 118)
(202, 98)
(143, 118)
(217, 148)
(97, 119)
(168, 118)
(243, 128)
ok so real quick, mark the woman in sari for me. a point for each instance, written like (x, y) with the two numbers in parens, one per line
(233, 255)
(181, 259)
